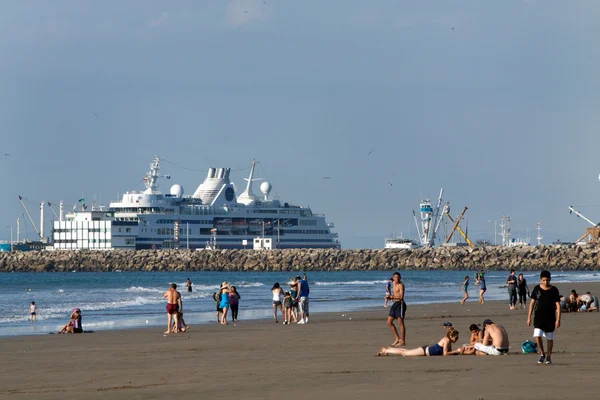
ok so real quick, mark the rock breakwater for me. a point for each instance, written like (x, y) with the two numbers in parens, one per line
(447, 258)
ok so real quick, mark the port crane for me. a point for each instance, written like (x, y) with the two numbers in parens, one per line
(456, 226)
(592, 234)
(31, 219)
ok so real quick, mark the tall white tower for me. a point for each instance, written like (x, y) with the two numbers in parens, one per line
(539, 236)
(505, 225)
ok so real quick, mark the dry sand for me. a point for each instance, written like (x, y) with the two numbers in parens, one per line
(332, 357)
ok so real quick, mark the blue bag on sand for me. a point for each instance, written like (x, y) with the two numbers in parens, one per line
(529, 347)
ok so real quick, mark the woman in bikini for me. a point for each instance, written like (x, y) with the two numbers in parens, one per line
(442, 348)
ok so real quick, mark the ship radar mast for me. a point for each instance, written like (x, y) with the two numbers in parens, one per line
(247, 197)
(151, 178)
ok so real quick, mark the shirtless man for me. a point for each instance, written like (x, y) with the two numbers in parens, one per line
(174, 305)
(495, 340)
(398, 310)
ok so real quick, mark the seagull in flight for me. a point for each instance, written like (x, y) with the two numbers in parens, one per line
(95, 114)
(370, 151)
(246, 12)
(7, 154)
(389, 184)
(326, 177)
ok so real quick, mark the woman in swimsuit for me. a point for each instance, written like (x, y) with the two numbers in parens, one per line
(442, 348)
(225, 302)
(482, 288)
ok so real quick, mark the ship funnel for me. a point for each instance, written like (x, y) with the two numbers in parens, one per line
(211, 173)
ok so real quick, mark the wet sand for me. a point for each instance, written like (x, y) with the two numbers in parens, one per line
(332, 357)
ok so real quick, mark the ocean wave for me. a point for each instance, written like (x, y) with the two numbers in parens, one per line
(136, 289)
(349, 283)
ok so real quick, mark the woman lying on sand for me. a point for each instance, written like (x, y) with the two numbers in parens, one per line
(442, 348)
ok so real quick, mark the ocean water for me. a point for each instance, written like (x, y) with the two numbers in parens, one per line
(113, 300)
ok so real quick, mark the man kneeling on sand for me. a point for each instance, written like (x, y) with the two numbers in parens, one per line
(495, 340)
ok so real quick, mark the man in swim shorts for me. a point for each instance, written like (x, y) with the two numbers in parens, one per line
(397, 311)
(545, 309)
(174, 305)
(495, 340)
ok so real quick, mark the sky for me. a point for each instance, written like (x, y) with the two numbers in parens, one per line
(495, 101)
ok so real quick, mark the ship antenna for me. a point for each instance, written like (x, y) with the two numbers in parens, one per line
(150, 181)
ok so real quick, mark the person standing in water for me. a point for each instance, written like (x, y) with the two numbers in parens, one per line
(188, 283)
(397, 311)
(32, 312)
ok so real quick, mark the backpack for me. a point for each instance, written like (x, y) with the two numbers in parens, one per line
(529, 347)
(217, 296)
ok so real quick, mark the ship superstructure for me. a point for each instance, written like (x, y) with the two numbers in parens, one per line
(212, 217)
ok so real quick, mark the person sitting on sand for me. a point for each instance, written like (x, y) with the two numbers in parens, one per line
(74, 325)
(573, 300)
(442, 348)
(495, 340)
(476, 334)
(181, 325)
(593, 305)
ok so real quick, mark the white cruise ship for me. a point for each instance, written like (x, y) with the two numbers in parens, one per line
(213, 217)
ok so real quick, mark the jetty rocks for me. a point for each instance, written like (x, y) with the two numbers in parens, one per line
(444, 258)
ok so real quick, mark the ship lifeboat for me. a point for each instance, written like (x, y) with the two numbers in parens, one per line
(224, 224)
(255, 225)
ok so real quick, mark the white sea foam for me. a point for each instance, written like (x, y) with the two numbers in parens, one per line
(349, 283)
(137, 289)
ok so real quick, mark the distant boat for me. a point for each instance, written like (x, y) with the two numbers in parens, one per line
(400, 243)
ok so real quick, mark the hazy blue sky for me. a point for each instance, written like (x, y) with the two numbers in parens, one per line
(496, 101)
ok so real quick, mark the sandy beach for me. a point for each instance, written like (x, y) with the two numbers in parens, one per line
(332, 357)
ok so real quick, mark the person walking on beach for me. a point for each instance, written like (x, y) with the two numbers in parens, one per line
(188, 283)
(545, 308)
(174, 305)
(388, 291)
(277, 292)
(234, 298)
(465, 289)
(480, 280)
(303, 292)
(398, 310)
(512, 290)
(32, 312)
(522, 290)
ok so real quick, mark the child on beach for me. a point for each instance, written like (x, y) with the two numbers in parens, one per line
(388, 291)
(181, 325)
(442, 348)
(545, 308)
(465, 288)
(287, 307)
(32, 312)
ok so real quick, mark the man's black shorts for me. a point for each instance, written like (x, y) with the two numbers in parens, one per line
(398, 309)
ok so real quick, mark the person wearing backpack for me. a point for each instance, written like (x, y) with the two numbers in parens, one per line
(217, 298)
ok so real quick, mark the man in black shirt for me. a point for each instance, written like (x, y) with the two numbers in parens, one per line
(545, 307)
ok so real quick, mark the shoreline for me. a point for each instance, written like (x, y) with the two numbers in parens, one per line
(196, 317)
(332, 356)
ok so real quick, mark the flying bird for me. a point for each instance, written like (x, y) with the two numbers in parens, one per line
(370, 151)
(95, 114)
(389, 184)
(246, 12)
(7, 154)
(326, 177)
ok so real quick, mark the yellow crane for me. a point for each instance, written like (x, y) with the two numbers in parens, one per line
(456, 227)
